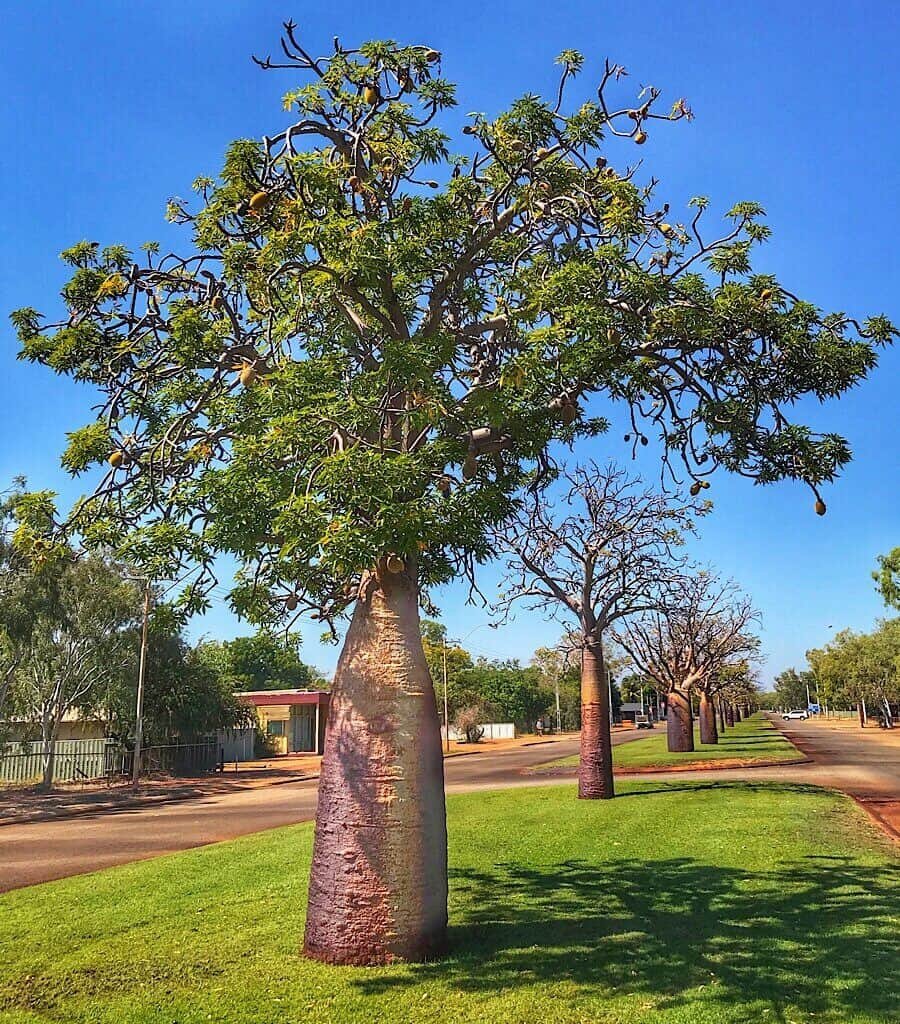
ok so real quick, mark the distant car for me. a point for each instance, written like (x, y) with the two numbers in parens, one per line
(799, 713)
(643, 722)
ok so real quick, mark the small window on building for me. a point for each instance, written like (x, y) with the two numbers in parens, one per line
(275, 728)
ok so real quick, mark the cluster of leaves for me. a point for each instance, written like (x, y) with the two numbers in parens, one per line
(356, 360)
(859, 666)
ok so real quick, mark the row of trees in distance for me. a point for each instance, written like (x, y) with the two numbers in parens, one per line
(373, 346)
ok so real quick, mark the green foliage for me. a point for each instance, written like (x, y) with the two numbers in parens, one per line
(790, 688)
(508, 692)
(366, 348)
(887, 578)
(859, 666)
(260, 662)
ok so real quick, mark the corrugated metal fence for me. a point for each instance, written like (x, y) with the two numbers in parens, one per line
(89, 760)
(74, 761)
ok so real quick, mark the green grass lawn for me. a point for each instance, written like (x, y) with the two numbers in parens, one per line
(685, 902)
(752, 741)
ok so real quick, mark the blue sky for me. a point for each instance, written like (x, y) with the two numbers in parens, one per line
(110, 108)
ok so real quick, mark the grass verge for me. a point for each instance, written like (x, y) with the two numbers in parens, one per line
(682, 903)
(752, 741)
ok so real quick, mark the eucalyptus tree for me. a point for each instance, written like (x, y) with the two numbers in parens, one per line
(603, 549)
(373, 337)
(78, 647)
(700, 628)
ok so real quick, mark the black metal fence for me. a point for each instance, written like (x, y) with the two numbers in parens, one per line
(175, 758)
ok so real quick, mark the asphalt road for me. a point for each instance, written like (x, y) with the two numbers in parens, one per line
(45, 850)
(864, 764)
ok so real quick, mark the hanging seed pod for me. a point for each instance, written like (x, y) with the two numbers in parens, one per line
(119, 458)
(216, 302)
(640, 137)
(820, 507)
(394, 564)
(470, 467)
(248, 375)
(258, 202)
(290, 602)
(695, 488)
(568, 413)
(370, 95)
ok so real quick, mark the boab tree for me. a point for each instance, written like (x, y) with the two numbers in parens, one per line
(599, 551)
(701, 626)
(369, 343)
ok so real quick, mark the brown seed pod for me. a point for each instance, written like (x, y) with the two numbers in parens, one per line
(432, 56)
(470, 467)
(568, 413)
(216, 302)
(290, 602)
(695, 488)
(119, 458)
(355, 183)
(371, 95)
(765, 294)
(248, 374)
(820, 507)
(640, 137)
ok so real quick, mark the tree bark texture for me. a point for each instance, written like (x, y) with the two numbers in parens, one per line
(595, 770)
(709, 733)
(679, 722)
(729, 715)
(378, 884)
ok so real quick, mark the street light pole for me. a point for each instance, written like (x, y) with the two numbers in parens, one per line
(446, 713)
(139, 711)
(558, 712)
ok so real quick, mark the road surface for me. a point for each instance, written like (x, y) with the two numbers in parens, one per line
(45, 850)
(864, 764)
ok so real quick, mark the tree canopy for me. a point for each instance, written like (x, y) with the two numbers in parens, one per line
(378, 330)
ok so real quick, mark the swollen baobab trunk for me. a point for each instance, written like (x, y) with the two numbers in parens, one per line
(729, 715)
(679, 722)
(708, 731)
(595, 773)
(378, 886)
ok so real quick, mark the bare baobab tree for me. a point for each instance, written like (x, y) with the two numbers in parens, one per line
(603, 552)
(701, 625)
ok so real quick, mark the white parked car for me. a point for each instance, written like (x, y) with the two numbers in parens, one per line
(799, 713)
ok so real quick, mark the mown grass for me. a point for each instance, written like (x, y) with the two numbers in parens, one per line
(684, 903)
(753, 741)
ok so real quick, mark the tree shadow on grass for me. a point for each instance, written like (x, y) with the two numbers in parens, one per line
(818, 935)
